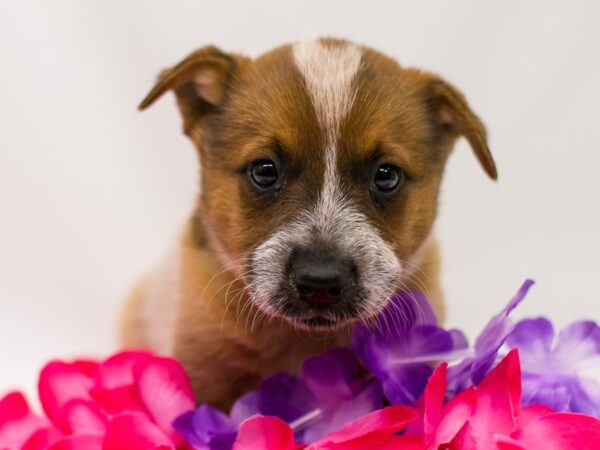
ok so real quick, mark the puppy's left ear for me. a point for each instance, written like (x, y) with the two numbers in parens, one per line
(455, 118)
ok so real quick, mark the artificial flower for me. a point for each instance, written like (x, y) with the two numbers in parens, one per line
(489, 416)
(375, 430)
(207, 428)
(404, 344)
(474, 368)
(554, 366)
(128, 401)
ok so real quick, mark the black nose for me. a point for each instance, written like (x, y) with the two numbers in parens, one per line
(321, 278)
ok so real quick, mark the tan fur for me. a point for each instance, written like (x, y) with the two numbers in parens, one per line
(237, 110)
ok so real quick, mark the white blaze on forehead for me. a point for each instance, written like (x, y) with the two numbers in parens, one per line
(328, 71)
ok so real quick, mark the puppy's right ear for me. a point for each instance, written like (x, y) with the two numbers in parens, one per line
(200, 83)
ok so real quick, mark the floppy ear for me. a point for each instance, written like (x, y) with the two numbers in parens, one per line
(200, 84)
(455, 118)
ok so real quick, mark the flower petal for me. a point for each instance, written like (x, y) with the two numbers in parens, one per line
(530, 413)
(578, 345)
(454, 417)
(498, 402)
(245, 407)
(283, 395)
(117, 371)
(60, 383)
(533, 338)
(494, 334)
(344, 412)
(135, 432)
(118, 400)
(559, 431)
(164, 389)
(433, 402)
(264, 433)
(79, 442)
(380, 423)
(17, 422)
(328, 376)
(82, 417)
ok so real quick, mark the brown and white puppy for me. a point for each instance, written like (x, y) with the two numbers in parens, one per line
(320, 168)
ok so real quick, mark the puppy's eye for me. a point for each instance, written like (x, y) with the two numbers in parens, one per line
(263, 173)
(388, 178)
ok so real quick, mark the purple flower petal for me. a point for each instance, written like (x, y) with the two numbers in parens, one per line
(405, 344)
(536, 391)
(366, 401)
(552, 367)
(585, 397)
(532, 337)
(578, 344)
(206, 428)
(285, 396)
(246, 406)
(494, 334)
(406, 383)
(340, 394)
(328, 376)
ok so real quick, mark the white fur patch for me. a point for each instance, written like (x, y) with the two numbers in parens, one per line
(328, 72)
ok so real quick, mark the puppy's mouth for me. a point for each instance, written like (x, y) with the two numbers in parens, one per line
(319, 323)
(322, 318)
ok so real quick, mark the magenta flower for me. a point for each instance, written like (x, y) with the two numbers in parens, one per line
(128, 401)
(404, 345)
(490, 416)
(554, 366)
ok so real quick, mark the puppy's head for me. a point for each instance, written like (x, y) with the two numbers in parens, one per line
(320, 168)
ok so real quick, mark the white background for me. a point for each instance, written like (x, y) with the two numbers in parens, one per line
(92, 192)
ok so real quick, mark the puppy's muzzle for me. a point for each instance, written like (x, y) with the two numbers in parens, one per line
(321, 278)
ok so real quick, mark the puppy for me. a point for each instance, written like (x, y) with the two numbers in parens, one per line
(320, 166)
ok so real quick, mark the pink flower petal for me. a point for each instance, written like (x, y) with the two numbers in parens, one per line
(17, 422)
(117, 371)
(86, 367)
(507, 373)
(165, 390)
(60, 383)
(38, 440)
(135, 432)
(378, 424)
(454, 416)
(78, 442)
(13, 407)
(506, 443)
(389, 442)
(560, 431)
(264, 433)
(118, 400)
(498, 402)
(82, 417)
(433, 401)
(530, 413)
